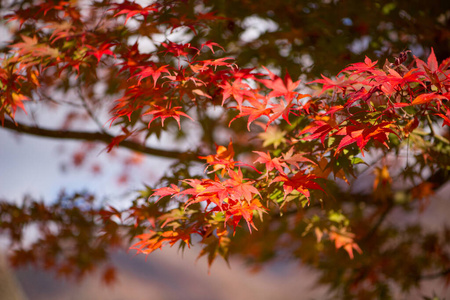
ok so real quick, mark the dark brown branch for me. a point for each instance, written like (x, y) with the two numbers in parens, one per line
(435, 275)
(380, 220)
(96, 137)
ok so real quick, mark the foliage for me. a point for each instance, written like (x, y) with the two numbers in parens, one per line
(282, 177)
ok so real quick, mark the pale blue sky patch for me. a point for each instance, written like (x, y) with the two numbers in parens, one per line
(360, 45)
(256, 26)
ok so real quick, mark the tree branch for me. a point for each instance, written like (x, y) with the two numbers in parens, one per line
(96, 137)
(435, 275)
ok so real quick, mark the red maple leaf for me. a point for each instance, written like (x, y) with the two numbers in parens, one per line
(152, 71)
(446, 117)
(338, 85)
(271, 163)
(223, 159)
(100, 51)
(237, 210)
(116, 140)
(344, 239)
(281, 88)
(238, 89)
(239, 187)
(426, 98)
(131, 9)
(280, 109)
(395, 79)
(367, 66)
(179, 49)
(257, 110)
(300, 181)
(362, 134)
(210, 45)
(318, 129)
(166, 191)
(164, 113)
(431, 65)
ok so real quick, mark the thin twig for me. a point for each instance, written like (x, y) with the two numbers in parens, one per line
(90, 113)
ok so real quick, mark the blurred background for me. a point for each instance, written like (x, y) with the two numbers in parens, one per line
(300, 37)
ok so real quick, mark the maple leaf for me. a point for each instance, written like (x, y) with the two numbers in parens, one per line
(279, 87)
(100, 51)
(152, 71)
(223, 159)
(257, 110)
(436, 74)
(116, 140)
(30, 46)
(294, 159)
(431, 65)
(395, 79)
(446, 118)
(238, 89)
(131, 9)
(300, 181)
(410, 126)
(207, 190)
(166, 191)
(60, 30)
(238, 210)
(240, 188)
(323, 169)
(344, 239)
(218, 62)
(271, 163)
(201, 93)
(45, 7)
(362, 135)
(108, 214)
(181, 77)
(280, 109)
(154, 240)
(210, 45)
(339, 85)
(426, 98)
(133, 59)
(367, 66)
(179, 49)
(17, 101)
(164, 113)
(382, 183)
(318, 129)
(273, 136)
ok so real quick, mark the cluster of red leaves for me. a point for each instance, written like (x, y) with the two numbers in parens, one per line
(228, 197)
(366, 106)
(372, 101)
(225, 200)
(361, 108)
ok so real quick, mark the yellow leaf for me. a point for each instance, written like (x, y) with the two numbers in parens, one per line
(410, 126)
(423, 190)
(382, 183)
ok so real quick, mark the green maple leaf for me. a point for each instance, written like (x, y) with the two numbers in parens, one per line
(273, 136)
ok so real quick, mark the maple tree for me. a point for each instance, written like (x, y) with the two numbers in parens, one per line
(274, 171)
